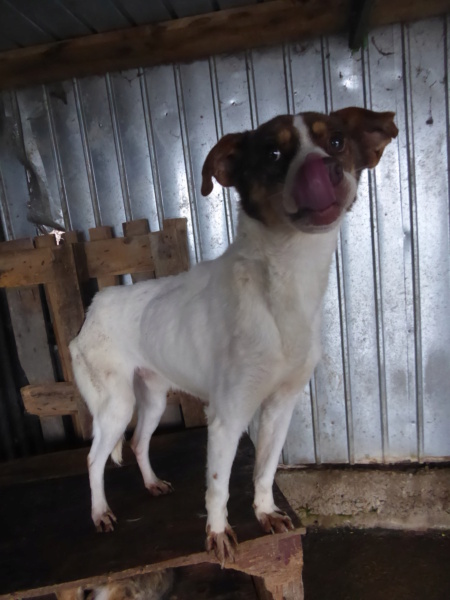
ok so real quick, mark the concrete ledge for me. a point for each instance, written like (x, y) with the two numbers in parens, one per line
(411, 498)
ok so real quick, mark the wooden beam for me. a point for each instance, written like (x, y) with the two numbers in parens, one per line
(61, 398)
(117, 256)
(30, 335)
(104, 232)
(50, 399)
(133, 228)
(26, 267)
(196, 37)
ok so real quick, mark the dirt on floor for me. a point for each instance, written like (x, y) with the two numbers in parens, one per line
(347, 564)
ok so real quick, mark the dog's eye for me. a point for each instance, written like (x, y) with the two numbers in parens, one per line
(274, 154)
(337, 141)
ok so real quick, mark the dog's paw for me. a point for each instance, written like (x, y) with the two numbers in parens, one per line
(160, 488)
(275, 522)
(224, 544)
(105, 522)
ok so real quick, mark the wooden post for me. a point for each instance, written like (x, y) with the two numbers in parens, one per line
(67, 312)
(103, 232)
(25, 308)
(138, 227)
(278, 562)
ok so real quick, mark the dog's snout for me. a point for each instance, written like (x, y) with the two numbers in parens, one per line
(335, 170)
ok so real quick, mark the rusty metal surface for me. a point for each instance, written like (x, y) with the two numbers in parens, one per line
(130, 145)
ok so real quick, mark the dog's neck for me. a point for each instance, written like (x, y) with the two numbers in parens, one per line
(292, 270)
(286, 250)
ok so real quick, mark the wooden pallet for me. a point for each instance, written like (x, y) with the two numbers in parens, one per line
(48, 543)
(64, 271)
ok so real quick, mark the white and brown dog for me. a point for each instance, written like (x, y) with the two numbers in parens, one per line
(242, 331)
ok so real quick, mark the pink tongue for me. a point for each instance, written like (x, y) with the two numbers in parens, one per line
(312, 187)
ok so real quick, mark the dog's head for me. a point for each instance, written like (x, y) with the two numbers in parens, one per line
(300, 171)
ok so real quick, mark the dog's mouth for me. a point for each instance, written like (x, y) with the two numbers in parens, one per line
(314, 191)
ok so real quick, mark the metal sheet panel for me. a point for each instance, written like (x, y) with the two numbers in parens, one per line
(132, 144)
(346, 88)
(393, 252)
(428, 100)
(197, 117)
(188, 8)
(51, 17)
(19, 29)
(98, 15)
(73, 157)
(13, 177)
(139, 12)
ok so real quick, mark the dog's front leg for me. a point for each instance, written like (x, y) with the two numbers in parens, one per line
(223, 439)
(275, 416)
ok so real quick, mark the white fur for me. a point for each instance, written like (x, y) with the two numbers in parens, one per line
(241, 332)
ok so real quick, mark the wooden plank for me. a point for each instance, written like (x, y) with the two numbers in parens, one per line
(67, 313)
(26, 267)
(16, 245)
(192, 408)
(103, 233)
(196, 37)
(56, 398)
(71, 237)
(64, 302)
(118, 256)
(140, 253)
(27, 319)
(59, 398)
(31, 531)
(169, 248)
(138, 227)
(66, 463)
(182, 243)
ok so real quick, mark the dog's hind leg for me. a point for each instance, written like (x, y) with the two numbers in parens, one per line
(275, 417)
(109, 426)
(151, 394)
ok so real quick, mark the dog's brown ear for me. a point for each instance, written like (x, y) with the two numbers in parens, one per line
(220, 163)
(372, 131)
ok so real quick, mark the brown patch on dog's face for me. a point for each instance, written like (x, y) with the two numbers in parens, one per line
(300, 171)
(329, 134)
(319, 128)
(266, 157)
(284, 137)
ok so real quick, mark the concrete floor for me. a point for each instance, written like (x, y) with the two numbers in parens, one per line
(345, 564)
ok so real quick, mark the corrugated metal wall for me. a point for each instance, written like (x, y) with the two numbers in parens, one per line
(102, 150)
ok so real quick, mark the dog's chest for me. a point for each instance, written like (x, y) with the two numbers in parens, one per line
(294, 301)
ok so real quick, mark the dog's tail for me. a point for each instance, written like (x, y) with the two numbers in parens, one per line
(116, 454)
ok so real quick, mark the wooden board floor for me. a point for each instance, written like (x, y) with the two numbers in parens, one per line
(47, 537)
